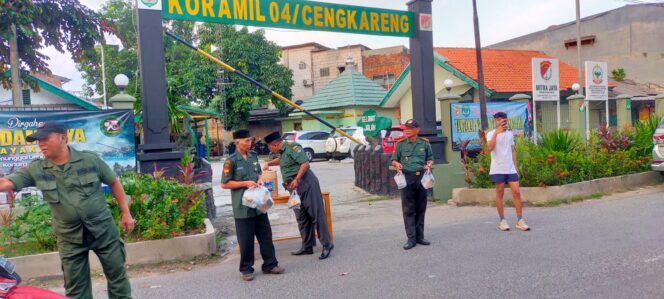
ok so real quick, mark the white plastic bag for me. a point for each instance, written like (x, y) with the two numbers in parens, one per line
(400, 179)
(427, 180)
(294, 200)
(258, 198)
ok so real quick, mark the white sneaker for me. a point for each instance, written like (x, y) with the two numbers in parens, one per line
(503, 226)
(521, 225)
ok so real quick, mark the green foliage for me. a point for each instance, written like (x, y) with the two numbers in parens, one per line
(618, 74)
(643, 132)
(564, 160)
(161, 208)
(190, 77)
(63, 24)
(561, 140)
(32, 225)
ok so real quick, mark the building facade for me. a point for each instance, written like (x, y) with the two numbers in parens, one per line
(298, 58)
(629, 37)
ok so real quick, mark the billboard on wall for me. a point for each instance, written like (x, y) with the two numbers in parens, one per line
(465, 120)
(108, 133)
(546, 86)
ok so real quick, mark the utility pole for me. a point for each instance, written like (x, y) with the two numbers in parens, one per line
(480, 69)
(578, 47)
(16, 69)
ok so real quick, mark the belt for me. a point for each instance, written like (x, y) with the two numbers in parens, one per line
(415, 173)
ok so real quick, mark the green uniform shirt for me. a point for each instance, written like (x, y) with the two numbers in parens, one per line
(73, 193)
(413, 155)
(290, 159)
(236, 168)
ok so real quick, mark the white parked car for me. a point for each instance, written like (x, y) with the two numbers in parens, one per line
(339, 146)
(313, 142)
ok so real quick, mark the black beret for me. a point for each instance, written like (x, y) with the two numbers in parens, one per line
(272, 137)
(241, 134)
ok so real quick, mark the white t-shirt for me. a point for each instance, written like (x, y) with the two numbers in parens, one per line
(501, 155)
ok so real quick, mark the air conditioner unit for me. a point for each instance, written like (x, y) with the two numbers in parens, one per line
(307, 82)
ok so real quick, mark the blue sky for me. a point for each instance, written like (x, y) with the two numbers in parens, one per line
(452, 25)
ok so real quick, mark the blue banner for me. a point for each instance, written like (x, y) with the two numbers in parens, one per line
(108, 133)
(465, 119)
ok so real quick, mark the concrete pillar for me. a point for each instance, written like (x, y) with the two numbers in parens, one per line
(449, 175)
(624, 111)
(576, 117)
(659, 105)
(122, 101)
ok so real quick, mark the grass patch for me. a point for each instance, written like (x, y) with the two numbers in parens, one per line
(571, 200)
(23, 248)
(378, 198)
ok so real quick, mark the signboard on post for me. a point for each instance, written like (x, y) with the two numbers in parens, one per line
(465, 120)
(109, 133)
(149, 4)
(372, 123)
(597, 87)
(546, 85)
(293, 14)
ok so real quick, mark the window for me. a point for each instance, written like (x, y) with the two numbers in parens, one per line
(320, 136)
(325, 72)
(26, 97)
(297, 126)
(288, 137)
(384, 80)
(306, 136)
(303, 66)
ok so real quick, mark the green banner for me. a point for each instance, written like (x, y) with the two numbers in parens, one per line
(293, 14)
(373, 123)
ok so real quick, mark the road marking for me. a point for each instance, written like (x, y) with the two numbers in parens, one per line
(655, 259)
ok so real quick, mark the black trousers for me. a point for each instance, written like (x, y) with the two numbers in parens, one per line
(259, 227)
(311, 214)
(414, 206)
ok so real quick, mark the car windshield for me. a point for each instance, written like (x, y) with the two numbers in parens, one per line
(395, 133)
(347, 131)
(288, 136)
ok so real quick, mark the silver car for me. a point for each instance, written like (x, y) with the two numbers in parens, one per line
(658, 149)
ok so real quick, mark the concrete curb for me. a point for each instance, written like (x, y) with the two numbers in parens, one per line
(470, 196)
(146, 252)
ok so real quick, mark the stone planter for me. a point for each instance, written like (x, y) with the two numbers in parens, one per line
(470, 196)
(146, 252)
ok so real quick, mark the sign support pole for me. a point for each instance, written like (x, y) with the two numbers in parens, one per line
(156, 149)
(422, 78)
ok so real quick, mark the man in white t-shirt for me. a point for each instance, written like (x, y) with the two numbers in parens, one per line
(503, 169)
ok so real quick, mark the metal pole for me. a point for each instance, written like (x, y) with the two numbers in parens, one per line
(580, 66)
(261, 86)
(534, 121)
(558, 108)
(480, 71)
(103, 73)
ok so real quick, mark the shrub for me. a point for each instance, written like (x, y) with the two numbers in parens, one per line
(561, 140)
(32, 225)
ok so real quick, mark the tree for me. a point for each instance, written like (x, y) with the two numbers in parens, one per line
(618, 74)
(190, 77)
(26, 26)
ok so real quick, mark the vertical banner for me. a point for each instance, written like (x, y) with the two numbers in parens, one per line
(546, 85)
(465, 120)
(597, 87)
(108, 133)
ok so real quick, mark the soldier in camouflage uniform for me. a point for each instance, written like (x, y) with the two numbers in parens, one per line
(70, 182)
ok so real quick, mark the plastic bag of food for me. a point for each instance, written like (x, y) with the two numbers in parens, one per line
(427, 180)
(258, 198)
(400, 179)
(294, 200)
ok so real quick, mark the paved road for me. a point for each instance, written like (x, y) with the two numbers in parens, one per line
(608, 248)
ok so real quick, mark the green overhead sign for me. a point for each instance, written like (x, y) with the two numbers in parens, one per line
(293, 14)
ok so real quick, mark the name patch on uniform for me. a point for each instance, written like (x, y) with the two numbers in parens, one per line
(227, 167)
(47, 177)
(85, 170)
